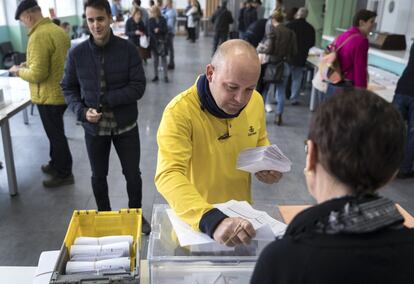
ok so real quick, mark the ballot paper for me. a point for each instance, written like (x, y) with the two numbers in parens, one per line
(266, 227)
(45, 267)
(257, 159)
(98, 252)
(259, 219)
(107, 266)
(103, 240)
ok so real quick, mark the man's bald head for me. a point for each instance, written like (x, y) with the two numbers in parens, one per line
(233, 75)
(236, 51)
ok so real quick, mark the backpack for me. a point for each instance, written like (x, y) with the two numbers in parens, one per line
(329, 66)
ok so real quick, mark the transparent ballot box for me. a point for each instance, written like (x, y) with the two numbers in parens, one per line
(208, 263)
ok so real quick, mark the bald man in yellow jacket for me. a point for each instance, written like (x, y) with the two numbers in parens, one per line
(201, 133)
(46, 53)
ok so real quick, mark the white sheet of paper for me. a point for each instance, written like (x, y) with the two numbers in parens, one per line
(103, 240)
(262, 158)
(266, 227)
(186, 235)
(99, 252)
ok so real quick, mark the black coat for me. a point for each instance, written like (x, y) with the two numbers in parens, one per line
(405, 85)
(256, 32)
(305, 39)
(161, 24)
(222, 19)
(249, 16)
(130, 27)
(124, 76)
(305, 256)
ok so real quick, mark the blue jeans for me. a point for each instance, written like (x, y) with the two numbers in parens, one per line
(405, 104)
(337, 88)
(280, 90)
(297, 76)
(127, 146)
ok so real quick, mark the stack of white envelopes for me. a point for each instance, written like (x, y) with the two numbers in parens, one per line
(263, 158)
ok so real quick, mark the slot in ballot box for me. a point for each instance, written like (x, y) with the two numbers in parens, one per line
(171, 263)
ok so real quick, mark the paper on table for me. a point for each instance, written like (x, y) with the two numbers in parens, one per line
(98, 252)
(266, 227)
(263, 158)
(103, 240)
(44, 271)
(113, 265)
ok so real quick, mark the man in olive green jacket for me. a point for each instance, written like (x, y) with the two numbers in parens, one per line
(46, 53)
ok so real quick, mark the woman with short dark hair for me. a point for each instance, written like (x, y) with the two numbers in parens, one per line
(354, 147)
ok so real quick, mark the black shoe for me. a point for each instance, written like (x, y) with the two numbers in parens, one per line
(155, 79)
(406, 175)
(171, 66)
(47, 169)
(166, 80)
(278, 120)
(146, 227)
(59, 181)
(295, 103)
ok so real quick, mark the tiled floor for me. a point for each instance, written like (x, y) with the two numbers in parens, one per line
(36, 219)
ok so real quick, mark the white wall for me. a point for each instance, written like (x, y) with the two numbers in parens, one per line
(400, 21)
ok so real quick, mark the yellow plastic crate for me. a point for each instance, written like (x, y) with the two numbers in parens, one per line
(91, 223)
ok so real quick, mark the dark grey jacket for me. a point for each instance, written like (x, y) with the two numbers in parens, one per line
(280, 44)
(124, 76)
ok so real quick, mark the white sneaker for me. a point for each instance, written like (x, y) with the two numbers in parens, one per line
(268, 108)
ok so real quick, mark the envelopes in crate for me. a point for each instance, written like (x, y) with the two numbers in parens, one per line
(91, 223)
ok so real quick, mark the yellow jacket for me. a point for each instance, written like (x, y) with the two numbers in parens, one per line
(195, 169)
(46, 53)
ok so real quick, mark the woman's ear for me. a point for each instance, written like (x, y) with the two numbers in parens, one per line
(311, 157)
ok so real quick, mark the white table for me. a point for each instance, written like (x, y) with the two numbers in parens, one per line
(17, 274)
(381, 82)
(17, 97)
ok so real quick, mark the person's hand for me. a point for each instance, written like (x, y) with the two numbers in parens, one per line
(93, 116)
(14, 70)
(268, 177)
(233, 231)
(156, 30)
(23, 65)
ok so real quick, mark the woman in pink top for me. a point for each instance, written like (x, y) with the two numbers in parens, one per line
(353, 55)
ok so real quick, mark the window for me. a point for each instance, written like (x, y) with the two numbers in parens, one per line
(2, 14)
(45, 5)
(65, 8)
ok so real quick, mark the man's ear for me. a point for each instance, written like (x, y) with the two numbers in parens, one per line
(209, 72)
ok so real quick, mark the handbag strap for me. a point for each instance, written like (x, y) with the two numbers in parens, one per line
(345, 41)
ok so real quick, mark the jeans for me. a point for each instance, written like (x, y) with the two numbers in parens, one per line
(405, 104)
(337, 88)
(59, 152)
(127, 146)
(156, 63)
(170, 47)
(297, 76)
(279, 93)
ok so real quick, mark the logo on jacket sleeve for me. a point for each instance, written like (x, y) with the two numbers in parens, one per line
(251, 131)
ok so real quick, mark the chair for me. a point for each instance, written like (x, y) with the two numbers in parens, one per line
(11, 57)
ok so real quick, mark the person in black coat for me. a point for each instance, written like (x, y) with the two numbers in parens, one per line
(102, 82)
(355, 146)
(250, 14)
(404, 102)
(157, 28)
(134, 29)
(256, 32)
(221, 19)
(305, 39)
